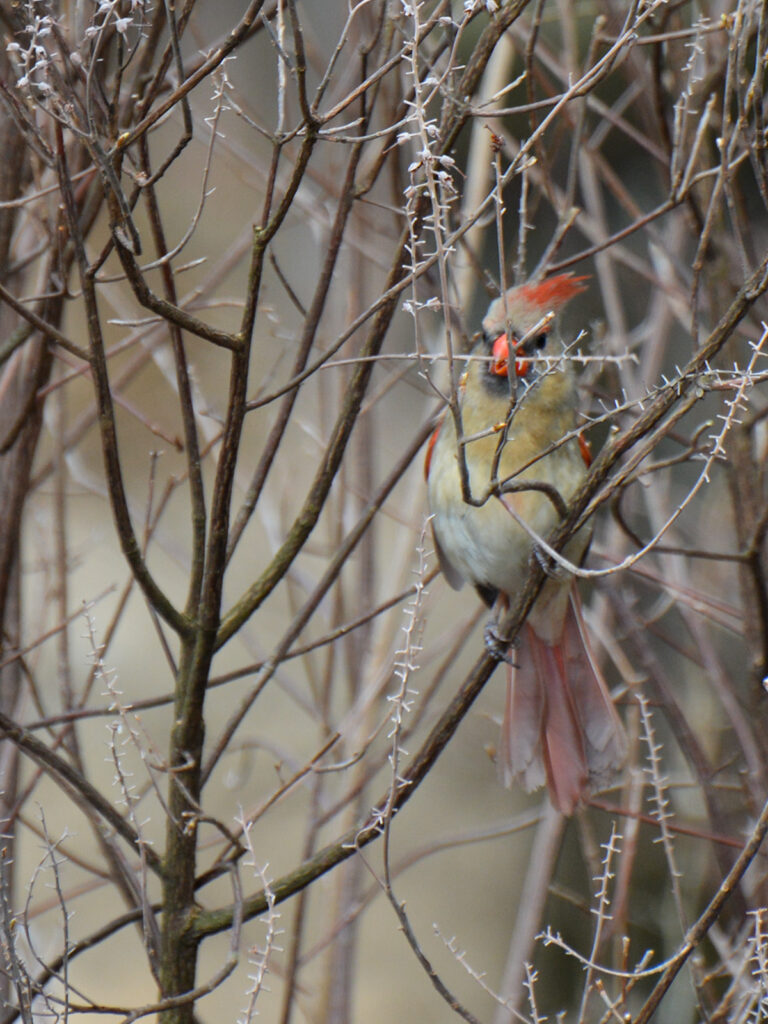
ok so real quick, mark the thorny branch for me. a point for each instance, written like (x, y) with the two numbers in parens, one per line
(305, 175)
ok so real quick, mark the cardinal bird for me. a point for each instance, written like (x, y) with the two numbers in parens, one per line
(560, 726)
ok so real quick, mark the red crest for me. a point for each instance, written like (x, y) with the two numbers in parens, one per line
(553, 292)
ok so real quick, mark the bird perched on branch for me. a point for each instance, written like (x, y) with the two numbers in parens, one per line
(522, 459)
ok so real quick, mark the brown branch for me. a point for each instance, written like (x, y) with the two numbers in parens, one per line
(168, 310)
(706, 920)
(47, 330)
(79, 789)
(210, 923)
(311, 324)
(118, 498)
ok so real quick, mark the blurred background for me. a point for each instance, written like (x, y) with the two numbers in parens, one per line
(234, 240)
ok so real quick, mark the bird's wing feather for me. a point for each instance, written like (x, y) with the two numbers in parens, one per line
(452, 574)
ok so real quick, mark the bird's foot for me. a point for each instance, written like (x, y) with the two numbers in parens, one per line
(553, 569)
(498, 647)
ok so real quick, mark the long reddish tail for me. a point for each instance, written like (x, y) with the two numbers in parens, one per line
(560, 726)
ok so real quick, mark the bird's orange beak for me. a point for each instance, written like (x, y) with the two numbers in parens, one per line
(500, 365)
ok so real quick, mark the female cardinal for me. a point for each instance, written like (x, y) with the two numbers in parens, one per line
(560, 726)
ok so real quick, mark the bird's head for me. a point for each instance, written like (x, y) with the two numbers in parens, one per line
(525, 318)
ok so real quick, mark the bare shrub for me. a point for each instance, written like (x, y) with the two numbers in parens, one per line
(243, 250)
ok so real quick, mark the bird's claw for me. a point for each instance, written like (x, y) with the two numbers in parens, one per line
(552, 569)
(498, 647)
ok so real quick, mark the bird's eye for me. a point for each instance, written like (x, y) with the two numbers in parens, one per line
(540, 341)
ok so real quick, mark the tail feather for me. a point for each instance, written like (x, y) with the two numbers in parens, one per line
(605, 738)
(519, 757)
(563, 746)
(560, 725)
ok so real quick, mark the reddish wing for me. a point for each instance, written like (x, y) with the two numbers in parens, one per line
(430, 449)
(585, 449)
